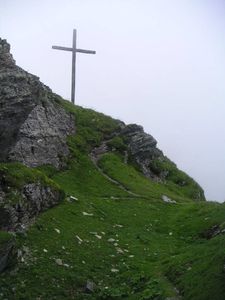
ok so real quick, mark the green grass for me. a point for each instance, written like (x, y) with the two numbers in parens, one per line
(157, 246)
(177, 177)
(113, 166)
(17, 175)
(4, 237)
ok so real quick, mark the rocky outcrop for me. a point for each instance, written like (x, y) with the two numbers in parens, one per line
(142, 147)
(33, 126)
(31, 200)
(33, 131)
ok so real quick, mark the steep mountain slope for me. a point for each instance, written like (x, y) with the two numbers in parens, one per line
(128, 224)
(112, 244)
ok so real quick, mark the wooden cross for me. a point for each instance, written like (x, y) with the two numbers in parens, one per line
(74, 50)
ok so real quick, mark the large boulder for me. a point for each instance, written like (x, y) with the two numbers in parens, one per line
(33, 126)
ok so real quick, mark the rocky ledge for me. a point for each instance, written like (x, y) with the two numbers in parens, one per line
(33, 199)
(33, 126)
(142, 148)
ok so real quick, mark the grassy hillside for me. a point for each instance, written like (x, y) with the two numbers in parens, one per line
(119, 240)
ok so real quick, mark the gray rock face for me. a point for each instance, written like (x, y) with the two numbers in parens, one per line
(143, 150)
(6, 59)
(33, 126)
(142, 147)
(6, 254)
(34, 198)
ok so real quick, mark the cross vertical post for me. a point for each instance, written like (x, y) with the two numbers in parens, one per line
(74, 51)
(73, 83)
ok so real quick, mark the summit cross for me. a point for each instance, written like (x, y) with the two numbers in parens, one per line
(74, 50)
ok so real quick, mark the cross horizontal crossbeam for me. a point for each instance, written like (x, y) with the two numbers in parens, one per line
(71, 49)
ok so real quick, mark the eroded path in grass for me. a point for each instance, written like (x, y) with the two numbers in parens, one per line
(96, 155)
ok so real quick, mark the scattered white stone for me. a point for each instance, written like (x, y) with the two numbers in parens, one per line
(72, 198)
(114, 270)
(111, 240)
(103, 232)
(93, 232)
(63, 247)
(59, 262)
(87, 214)
(118, 225)
(26, 249)
(131, 256)
(170, 233)
(119, 251)
(57, 230)
(90, 286)
(83, 262)
(98, 236)
(45, 250)
(19, 253)
(167, 199)
(79, 239)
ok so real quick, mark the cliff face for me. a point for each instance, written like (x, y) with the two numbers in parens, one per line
(33, 131)
(33, 127)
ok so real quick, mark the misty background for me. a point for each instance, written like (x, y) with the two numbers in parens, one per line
(159, 63)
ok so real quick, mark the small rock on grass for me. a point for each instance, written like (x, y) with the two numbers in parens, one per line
(111, 240)
(59, 262)
(90, 286)
(79, 239)
(118, 225)
(72, 198)
(167, 199)
(114, 270)
(87, 214)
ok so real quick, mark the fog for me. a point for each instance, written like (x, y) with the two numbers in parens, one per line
(159, 63)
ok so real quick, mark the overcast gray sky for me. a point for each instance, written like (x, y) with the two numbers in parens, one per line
(159, 63)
